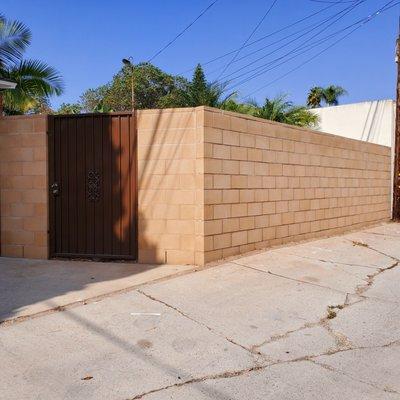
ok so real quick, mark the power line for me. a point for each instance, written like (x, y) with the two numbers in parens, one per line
(306, 49)
(269, 45)
(262, 68)
(262, 38)
(250, 36)
(311, 46)
(338, 15)
(386, 7)
(332, 2)
(182, 32)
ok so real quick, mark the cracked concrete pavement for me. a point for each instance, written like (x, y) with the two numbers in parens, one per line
(316, 320)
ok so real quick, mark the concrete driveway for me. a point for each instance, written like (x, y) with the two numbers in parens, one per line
(319, 320)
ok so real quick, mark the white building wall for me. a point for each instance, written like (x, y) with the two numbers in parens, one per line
(371, 121)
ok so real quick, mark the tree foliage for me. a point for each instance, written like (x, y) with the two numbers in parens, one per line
(329, 95)
(153, 89)
(36, 81)
(280, 109)
(315, 97)
(14, 39)
(202, 93)
(69, 108)
(332, 94)
(157, 89)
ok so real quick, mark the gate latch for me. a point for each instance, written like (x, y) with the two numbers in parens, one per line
(55, 189)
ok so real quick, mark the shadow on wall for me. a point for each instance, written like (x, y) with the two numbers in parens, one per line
(98, 220)
(105, 226)
(164, 174)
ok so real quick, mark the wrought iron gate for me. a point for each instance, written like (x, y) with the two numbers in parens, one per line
(92, 178)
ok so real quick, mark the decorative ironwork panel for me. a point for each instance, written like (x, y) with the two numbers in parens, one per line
(93, 186)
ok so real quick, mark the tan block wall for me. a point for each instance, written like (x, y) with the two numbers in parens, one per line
(171, 186)
(211, 184)
(268, 183)
(23, 186)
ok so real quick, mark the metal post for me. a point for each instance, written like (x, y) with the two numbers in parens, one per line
(396, 179)
(133, 90)
(128, 63)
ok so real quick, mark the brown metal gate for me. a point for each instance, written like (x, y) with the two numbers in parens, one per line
(92, 178)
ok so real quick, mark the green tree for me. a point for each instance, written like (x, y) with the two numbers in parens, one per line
(36, 81)
(282, 110)
(332, 94)
(329, 95)
(69, 108)
(315, 97)
(153, 89)
(102, 108)
(232, 104)
(14, 38)
(200, 92)
(91, 98)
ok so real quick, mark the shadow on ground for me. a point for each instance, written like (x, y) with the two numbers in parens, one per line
(27, 285)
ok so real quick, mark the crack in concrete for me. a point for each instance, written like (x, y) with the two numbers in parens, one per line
(333, 352)
(222, 375)
(253, 353)
(286, 277)
(361, 289)
(285, 335)
(343, 344)
(64, 307)
(367, 246)
(333, 262)
(383, 234)
(341, 340)
(333, 369)
(235, 373)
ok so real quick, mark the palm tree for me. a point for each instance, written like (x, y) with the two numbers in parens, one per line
(332, 94)
(36, 81)
(282, 110)
(14, 38)
(315, 97)
(232, 104)
(329, 95)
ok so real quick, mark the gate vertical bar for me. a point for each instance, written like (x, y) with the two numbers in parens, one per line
(51, 177)
(396, 178)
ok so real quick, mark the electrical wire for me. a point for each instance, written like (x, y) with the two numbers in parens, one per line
(182, 32)
(262, 38)
(386, 7)
(306, 49)
(268, 45)
(338, 15)
(332, 2)
(250, 36)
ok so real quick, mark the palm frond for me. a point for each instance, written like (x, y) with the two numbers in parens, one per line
(14, 38)
(36, 81)
(36, 77)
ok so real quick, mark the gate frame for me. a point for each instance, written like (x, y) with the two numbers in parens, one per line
(51, 203)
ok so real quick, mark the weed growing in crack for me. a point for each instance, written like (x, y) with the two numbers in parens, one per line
(331, 314)
(356, 243)
(331, 310)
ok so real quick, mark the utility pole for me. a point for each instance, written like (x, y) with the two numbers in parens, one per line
(396, 178)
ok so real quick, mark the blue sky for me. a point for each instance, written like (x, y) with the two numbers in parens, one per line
(85, 41)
